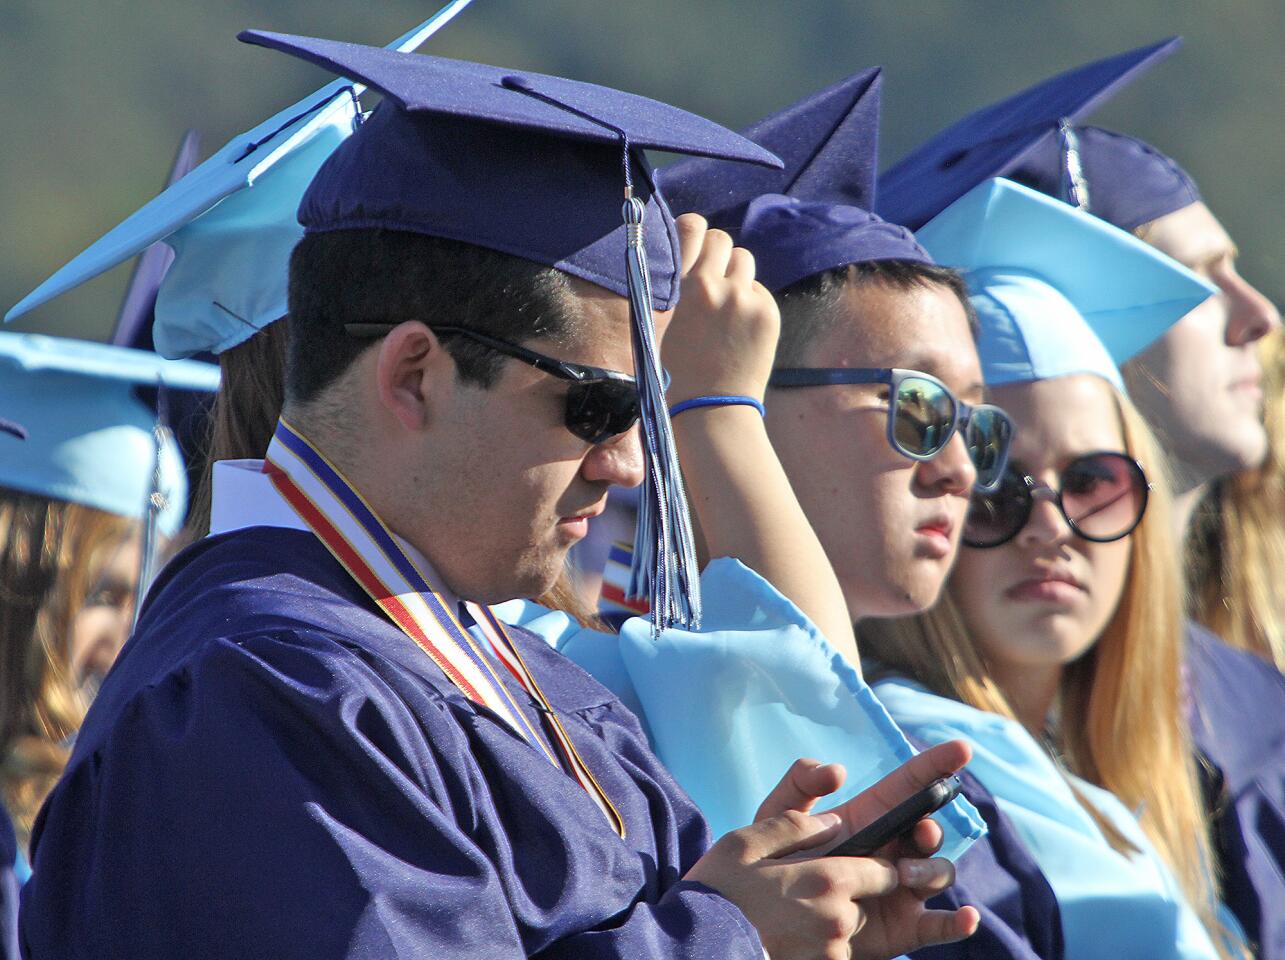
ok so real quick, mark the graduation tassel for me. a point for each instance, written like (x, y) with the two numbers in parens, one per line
(157, 501)
(1075, 186)
(665, 565)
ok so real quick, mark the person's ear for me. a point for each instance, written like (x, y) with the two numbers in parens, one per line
(411, 368)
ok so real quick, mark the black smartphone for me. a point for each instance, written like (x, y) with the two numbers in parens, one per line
(899, 820)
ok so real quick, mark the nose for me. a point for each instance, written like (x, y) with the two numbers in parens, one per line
(1046, 524)
(1251, 316)
(949, 473)
(617, 461)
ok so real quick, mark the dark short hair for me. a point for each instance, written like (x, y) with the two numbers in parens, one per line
(810, 307)
(391, 276)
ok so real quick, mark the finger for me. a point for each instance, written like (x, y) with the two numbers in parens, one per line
(926, 878)
(740, 266)
(803, 784)
(787, 833)
(925, 839)
(855, 878)
(691, 237)
(945, 926)
(714, 254)
(904, 782)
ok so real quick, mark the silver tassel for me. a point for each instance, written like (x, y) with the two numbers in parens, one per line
(1075, 186)
(665, 566)
(157, 501)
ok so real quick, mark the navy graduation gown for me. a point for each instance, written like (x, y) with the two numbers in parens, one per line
(8, 889)
(272, 769)
(1237, 706)
(998, 876)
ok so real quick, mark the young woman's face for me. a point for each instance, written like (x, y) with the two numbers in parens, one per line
(103, 621)
(1042, 599)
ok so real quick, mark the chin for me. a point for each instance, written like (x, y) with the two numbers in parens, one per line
(902, 598)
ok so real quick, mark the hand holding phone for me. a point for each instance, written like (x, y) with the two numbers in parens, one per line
(900, 820)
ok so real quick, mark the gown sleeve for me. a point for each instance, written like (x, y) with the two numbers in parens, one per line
(280, 798)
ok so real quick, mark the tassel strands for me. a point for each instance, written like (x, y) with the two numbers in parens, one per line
(665, 565)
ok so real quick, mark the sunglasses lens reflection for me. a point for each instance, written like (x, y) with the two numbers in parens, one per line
(924, 415)
(1103, 495)
(598, 410)
(989, 434)
(993, 518)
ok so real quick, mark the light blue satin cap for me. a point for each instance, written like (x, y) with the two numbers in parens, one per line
(231, 222)
(1057, 291)
(89, 439)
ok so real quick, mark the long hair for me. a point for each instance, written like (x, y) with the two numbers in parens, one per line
(245, 413)
(49, 552)
(246, 410)
(1236, 545)
(1123, 725)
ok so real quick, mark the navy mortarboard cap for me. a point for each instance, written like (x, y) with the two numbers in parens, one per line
(1122, 180)
(13, 429)
(537, 167)
(1057, 291)
(231, 222)
(828, 142)
(994, 141)
(793, 239)
(522, 163)
(91, 440)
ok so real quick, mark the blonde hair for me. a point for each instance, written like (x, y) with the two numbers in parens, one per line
(1123, 723)
(1236, 545)
(50, 551)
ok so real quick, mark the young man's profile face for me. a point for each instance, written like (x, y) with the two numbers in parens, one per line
(890, 526)
(518, 484)
(1199, 385)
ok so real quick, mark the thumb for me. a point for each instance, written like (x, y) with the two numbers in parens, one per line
(788, 833)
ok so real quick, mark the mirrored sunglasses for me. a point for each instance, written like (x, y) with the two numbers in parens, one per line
(1102, 496)
(923, 414)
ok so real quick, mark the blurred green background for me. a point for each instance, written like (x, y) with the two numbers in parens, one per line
(97, 94)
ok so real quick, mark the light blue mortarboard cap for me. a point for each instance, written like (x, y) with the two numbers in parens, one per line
(90, 440)
(1057, 291)
(231, 222)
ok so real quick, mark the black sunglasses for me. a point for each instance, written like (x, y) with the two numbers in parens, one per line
(1101, 495)
(601, 403)
(923, 414)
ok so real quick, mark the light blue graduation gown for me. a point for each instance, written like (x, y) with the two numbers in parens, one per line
(730, 706)
(1111, 904)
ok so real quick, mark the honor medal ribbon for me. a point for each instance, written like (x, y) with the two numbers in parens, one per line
(355, 535)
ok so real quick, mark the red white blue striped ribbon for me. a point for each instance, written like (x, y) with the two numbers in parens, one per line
(355, 535)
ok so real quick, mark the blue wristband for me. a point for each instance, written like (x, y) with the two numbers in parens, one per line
(694, 402)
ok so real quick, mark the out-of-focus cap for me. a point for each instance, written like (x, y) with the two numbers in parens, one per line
(91, 441)
(1057, 291)
(994, 141)
(828, 142)
(1126, 182)
(231, 222)
(792, 239)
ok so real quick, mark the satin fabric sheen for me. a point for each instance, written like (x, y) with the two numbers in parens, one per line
(272, 770)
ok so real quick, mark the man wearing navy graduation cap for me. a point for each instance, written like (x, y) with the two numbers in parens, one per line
(319, 743)
(859, 296)
(1197, 386)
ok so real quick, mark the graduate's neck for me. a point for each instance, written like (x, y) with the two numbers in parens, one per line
(372, 463)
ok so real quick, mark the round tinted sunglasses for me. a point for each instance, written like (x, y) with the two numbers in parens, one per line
(923, 415)
(1101, 495)
(601, 403)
